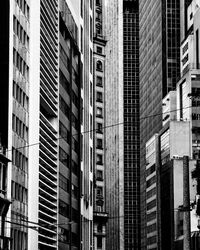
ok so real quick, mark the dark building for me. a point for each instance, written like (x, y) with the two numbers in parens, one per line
(122, 140)
(159, 71)
(69, 131)
(131, 125)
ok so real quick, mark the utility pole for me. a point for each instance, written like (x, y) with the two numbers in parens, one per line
(186, 204)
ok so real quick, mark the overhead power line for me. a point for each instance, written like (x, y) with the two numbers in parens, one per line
(103, 128)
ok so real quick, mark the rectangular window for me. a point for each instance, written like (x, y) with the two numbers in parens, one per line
(99, 50)
(91, 59)
(99, 97)
(197, 48)
(99, 128)
(99, 159)
(99, 176)
(81, 39)
(64, 157)
(64, 133)
(99, 112)
(91, 126)
(91, 160)
(91, 30)
(63, 209)
(99, 143)
(64, 183)
(91, 93)
(99, 81)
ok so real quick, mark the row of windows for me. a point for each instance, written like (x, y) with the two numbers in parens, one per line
(20, 64)
(20, 95)
(20, 32)
(19, 160)
(18, 192)
(19, 127)
(64, 210)
(19, 239)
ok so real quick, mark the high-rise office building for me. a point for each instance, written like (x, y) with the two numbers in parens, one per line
(14, 128)
(69, 130)
(44, 124)
(159, 71)
(86, 47)
(122, 115)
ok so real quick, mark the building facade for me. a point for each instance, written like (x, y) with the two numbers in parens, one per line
(159, 71)
(99, 163)
(122, 124)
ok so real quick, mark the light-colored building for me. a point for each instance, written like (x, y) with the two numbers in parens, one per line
(99, 163)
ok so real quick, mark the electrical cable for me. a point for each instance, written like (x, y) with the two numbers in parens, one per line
(103, 128)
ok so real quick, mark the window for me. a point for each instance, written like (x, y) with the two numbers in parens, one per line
(91, 30)
(64, 157)
(91, 192)
(75, 145)
(64, 82)
(91, 61)
(99, 176)
(99, 191)
(99, 143)
(99, 242)
(99, 159)
(64, 183)
(64, 107)
(63, 235)
(63, 208)
(74, 191)
(64, 133)
(99, 128)
(91, 93)
(99, 66)
(81, 39)
(99, 96)
(91, 159)
(98, 2)
(99, 228)
(99, 50)
(99, 81)
(99, 112)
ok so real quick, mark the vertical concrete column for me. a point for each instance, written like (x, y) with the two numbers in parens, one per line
(186, 204)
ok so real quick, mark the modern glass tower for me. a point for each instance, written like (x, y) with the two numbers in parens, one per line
(122, 111)
(159, 71)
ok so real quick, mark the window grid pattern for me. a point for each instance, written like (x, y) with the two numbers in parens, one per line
(131, 126)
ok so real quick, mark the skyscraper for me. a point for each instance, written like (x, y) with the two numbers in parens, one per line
(15, 128)
(159, 71)
(99, 210)
(122, 111)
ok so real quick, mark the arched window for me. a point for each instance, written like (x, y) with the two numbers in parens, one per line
(99, 66)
